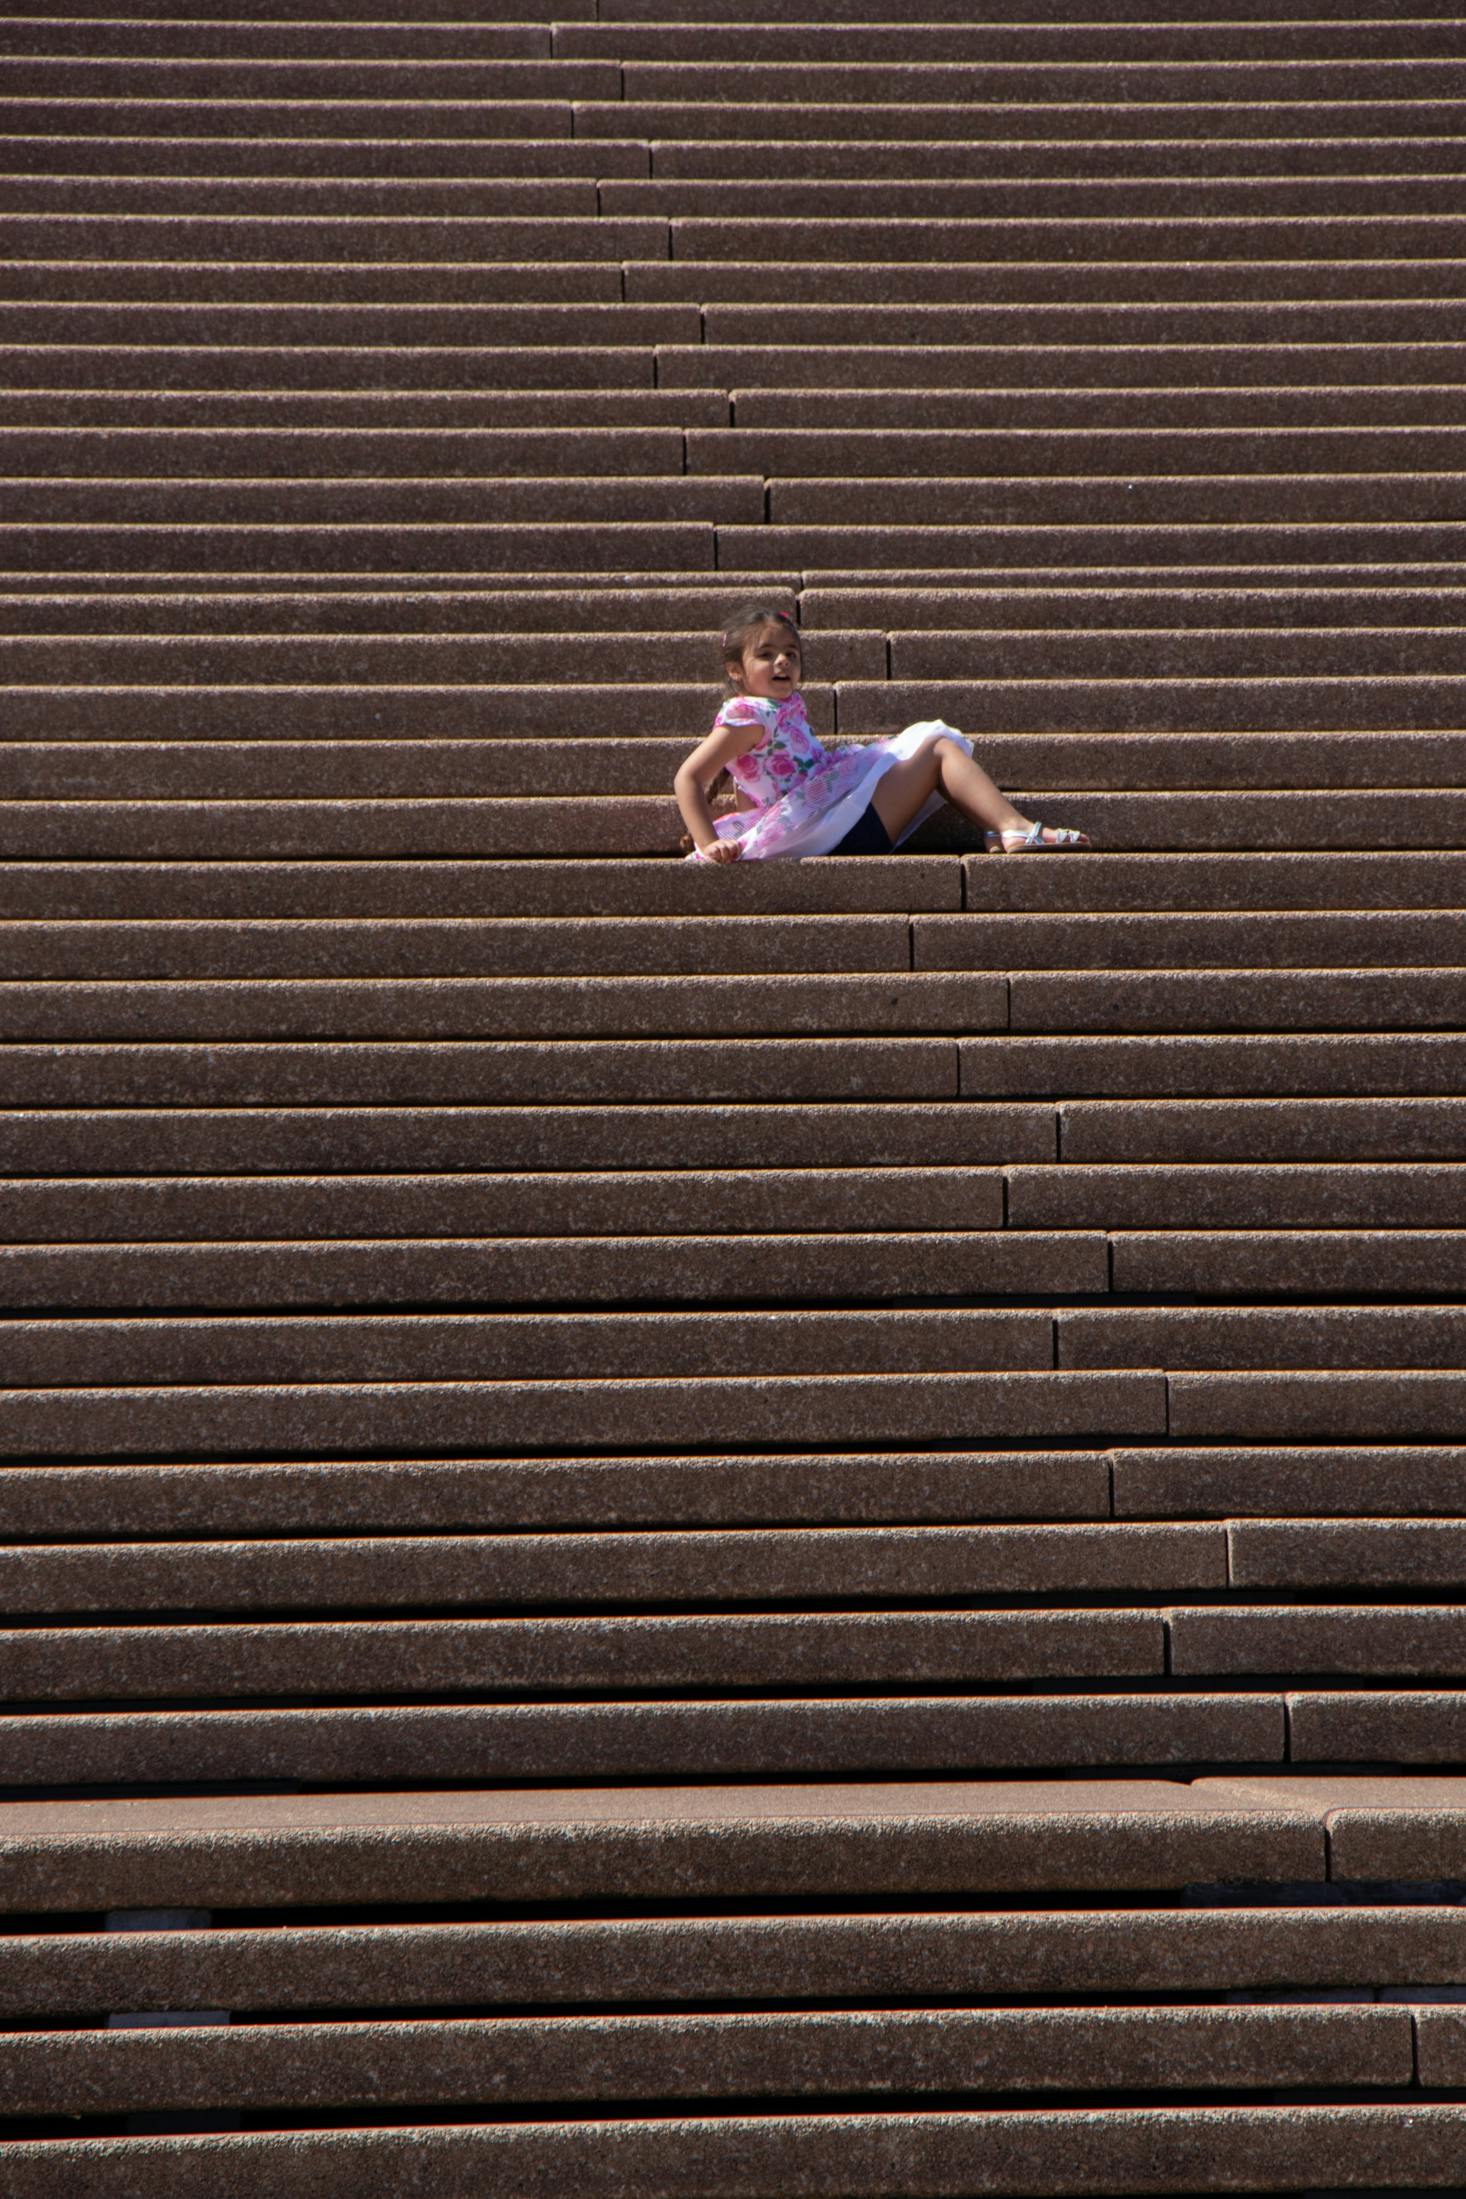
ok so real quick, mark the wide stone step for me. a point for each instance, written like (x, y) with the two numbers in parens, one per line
(547, 887)
(346, 165)
(98, 34)
(1268, 107)
(1177, 1065)
(107, 113)
(1216, 499)
(447, 947)
(437, 164)
(1270, 1000)
(521, 1347)
(863, 1134)
(492, 2062)
(1323, 1130)
(370, 408)
(387, 366)
(1358, 597)
(646, 1567)
(1407, 1195)
(1265, 940)
(525, 1346)
(569, 1008)
(1196, 202)
(1292, 879)
(102, 35)
(482, 659)
(519, 1073)
(523, 946)
(779, 1842)
(1040, 278)
(306, 1418)
(882, 2156)
(1234, 1337)
(528, 1204)
(330, 1073)
(489, 1658)
(1358, 322)
(648, 826)
(818, 1488)
(110, 454)
(276, 282)
(1167, 404)
(693, 1960)
(679, 604)
(768, 1739)
(60, 202)
(991, 456)
(168, 605)
(467, 1271)
(1025, 155)
(377, 505)
(1148, 362)
(1127, 598)
(199, 83)
(547, 227)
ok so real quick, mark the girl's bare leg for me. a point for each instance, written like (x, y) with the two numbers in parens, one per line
(941, 767)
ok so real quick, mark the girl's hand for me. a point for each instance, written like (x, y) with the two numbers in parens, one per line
(721, 851)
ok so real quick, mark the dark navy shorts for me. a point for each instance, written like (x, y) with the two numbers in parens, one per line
(867, 836)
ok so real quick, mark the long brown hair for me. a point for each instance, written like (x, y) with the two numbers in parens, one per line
(739, 629)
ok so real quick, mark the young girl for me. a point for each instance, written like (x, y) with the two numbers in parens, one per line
(798, 798)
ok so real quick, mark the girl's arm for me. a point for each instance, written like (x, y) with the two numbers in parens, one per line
(697, 773)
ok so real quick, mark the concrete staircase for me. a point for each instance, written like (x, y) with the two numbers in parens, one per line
(797, 1530)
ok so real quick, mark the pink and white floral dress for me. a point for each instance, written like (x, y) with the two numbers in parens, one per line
(806, 797)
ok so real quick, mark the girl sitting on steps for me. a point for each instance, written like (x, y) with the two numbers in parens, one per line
(797, 798)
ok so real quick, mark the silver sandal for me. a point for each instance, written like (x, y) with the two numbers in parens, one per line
(1062, 840)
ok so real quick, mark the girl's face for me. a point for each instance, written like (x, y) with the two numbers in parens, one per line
(770, 664)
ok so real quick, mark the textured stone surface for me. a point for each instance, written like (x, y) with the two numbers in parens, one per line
(739, 1566)
(1174, 1066)
(494, 1303)
(455, 1008)
(474, 1072)
(1279, 1196)
(472, 887)
(940, 2156)
(465, 948)
(488, 2063)
(1265, 1130)
(1292, 1262)
(860, 1134)
(1253, 1337)
(692, 1959)
(693, 1840)
(1412, 1641)
(569, 1656)
(1277, 1481)
(737, 1488)
(248, 1420)
(1402, 1826)
(509, 1271)
(846, 1736)
(522, 1346)
(1342, 1404)
(1357, 1553)
(524, 1203)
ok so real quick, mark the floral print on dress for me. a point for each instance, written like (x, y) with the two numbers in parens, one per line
(805, 796)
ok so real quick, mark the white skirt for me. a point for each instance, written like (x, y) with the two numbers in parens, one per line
(821, 833)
